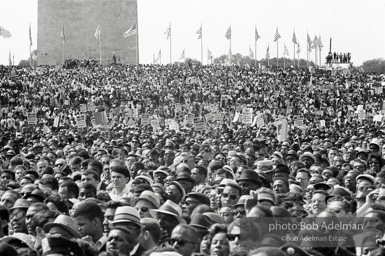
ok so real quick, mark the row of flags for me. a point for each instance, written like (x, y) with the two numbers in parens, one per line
(182, 56)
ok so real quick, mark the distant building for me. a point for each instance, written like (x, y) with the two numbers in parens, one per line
(80, 19)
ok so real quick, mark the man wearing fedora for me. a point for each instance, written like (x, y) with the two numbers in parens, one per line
(127, 217)
(249, 180)
(169, 215)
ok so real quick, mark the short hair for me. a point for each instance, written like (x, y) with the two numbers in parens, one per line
(320, 191)
(113, 205)
(16, 160)
(286, 182)
(201, 169)
(89, 187)
(266, 210)
(85, 163)
(72, 187)
(40, 219)
(218, 228)
(96, 166)
(235, 186)
(91, 172)
(305, 171)
(60, 204)
(271, 251)
(152, 226)
(90, 210)
(76, 160)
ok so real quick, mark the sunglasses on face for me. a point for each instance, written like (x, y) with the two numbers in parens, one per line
(190, 202)
(142, 209)
(181, 242)
(232, 197)
(232, 237)
(17, 216)
(240, 212)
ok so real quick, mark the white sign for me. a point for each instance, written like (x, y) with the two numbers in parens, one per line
(31, 118)
(247, 115)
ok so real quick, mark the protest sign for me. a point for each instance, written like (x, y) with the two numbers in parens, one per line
(31, 118)
(81, 121)
(199, 124)
(83, 108)
(145, 119)
(247, 115)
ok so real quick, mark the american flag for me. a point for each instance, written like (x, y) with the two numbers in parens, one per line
(309, 42)
(182, 55)
(256, 34)
(268, 53)
(228, 33)
(294, 40)
(63, 36)
(251, 53)
(5, 33)
(320, 45)
(132, 31)
(285, 51)
(315, 42)
(209, 54)
(98, 34)
(298, 48)
(199, 32)
(168, 32)
(277, 35)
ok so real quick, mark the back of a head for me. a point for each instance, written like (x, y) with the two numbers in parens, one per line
(153, 227)
(90, 210)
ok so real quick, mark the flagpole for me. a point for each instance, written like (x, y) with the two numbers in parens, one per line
(202, 46)
(100, 51)
(277, 53)
(170, 45)
(63, 52)
(255, 50)
(284, 61)
(298, 59)
(294, 55)
(137, 43)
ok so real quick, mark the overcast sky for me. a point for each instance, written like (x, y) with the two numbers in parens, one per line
(355, 26)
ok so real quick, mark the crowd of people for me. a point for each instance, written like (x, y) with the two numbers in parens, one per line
(191, 160)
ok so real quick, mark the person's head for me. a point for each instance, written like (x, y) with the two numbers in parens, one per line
(121, 240)
(184, 239)
(109, 215)
(175, 192)
(168, 216)
(57, 204)
(219, 242)
(281, 186)
(199, 174)
(32, 210)
(151, 233)
(18, 216)
(303, 176)
(267, 251)
(9, 198)
(89, 217)
(145, 202)
(4, 220)
(68, 189)
(375, 162)
(86, 191)
(91, 177)
(340, 206)
(231, 194)
(226, 214)
(120, 176)
(318, 201)
(41, 165)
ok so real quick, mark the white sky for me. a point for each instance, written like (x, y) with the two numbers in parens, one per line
(355, 26)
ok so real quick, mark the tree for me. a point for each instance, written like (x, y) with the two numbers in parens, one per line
(374, 66)
(25, 63)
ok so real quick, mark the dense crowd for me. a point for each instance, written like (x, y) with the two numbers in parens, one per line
(191, 160)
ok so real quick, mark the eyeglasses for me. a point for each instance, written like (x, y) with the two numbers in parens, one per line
(240, 212)
(190, 202)
(59, 165)
(142, 209)
(232, 197)
(181, 242)
(17, 216)
(232, 237)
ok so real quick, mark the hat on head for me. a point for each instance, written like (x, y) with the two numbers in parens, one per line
(250, 176)
(367, 177)
(292, 153)
(265, 196)
(179, 187)
(229, 170)
(65, 223)
(144, 177)
(214, 217)
(265, 165)
(322, 186)
(124, 214)
(47, 179)
(21, 203)
(242, 201)
(170, 208)
(295, 188)
(23, 238)
(161, 171)
(201, 222)
(307, 154)
(58, 245)
(184, 176)
(200, 197)
(294, 197)
(36, 193)
(148, 196)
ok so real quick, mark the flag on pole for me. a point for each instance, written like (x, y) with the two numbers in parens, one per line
(228, 33)
(209, 54)
(251, 53)
(298, 48)
(315, 42)
(168, 32)
(98, 35)
(5, 33)
(294, 40)
(63, 35)
(277, 35)
(256, 34)
(132, 31)
(10, 58)
(309, 42)
(158, 56)
(268, 53)
(320, 45)
(30, 35)
(199, 32)
(285, 51)
(182, 55)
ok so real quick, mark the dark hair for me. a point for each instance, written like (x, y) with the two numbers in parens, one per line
(40, 219)
(76, 160)
(379, 159)
(89, 186)
(96, 166)
(91, 172)
(217, 228)
(90, 210)
(201, 169)
(58, 202)
(72, 187)
(113, 204)
(153, 228)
